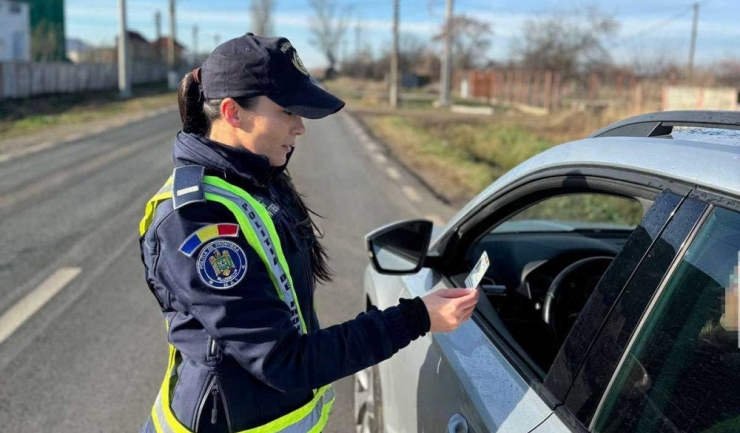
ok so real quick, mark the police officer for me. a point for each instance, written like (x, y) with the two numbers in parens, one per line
(230, 254)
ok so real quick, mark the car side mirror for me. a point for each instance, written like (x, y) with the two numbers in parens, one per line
(399, 248)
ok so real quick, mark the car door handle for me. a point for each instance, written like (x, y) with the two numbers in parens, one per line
(457, 424)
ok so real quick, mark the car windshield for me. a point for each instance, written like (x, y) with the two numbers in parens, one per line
(576, 213)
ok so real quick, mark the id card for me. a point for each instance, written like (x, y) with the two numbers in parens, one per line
(478, 271)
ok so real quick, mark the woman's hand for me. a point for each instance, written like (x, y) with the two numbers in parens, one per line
(450, 308)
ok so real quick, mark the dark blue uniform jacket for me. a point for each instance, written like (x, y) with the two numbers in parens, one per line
(243, 362)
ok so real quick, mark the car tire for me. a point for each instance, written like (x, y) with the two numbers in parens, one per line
(368, 401)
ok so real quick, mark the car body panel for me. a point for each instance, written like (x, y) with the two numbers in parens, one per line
(479, 384)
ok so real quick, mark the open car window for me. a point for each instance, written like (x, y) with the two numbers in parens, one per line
(546, 260)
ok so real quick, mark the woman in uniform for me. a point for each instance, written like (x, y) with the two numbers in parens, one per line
(231, 256)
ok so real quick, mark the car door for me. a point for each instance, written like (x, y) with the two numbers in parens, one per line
(580, 383)
(457, 382)
(473, 379)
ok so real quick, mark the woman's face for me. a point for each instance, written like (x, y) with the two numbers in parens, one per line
(269, 130)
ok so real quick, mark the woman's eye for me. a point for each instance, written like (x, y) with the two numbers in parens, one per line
(287, 112)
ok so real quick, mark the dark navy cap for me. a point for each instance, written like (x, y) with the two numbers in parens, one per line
(254, 65)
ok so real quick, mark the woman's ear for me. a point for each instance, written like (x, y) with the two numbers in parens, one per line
(230, 112)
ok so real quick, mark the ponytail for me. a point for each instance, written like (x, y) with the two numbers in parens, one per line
(190, 100)
(196, 112)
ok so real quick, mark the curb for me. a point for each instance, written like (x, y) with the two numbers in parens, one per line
(5, 157)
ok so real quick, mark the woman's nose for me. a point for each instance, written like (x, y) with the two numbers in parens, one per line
(300, 128)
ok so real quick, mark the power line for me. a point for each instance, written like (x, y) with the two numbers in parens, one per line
(653, 27)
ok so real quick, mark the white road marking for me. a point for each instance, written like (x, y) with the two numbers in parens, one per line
(380, 158)
(393, 173)
(411, 194)
(31, 303)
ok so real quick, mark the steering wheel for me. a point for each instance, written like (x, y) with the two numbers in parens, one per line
(584, 274)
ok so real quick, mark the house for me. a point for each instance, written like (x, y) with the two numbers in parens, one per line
(15, 31)
(161, 45)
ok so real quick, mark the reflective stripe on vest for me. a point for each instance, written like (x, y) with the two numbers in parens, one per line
(259, 230)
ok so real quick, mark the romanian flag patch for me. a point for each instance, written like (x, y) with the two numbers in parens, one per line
(207, 233)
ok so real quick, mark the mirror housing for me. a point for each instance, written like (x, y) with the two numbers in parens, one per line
(399, 248)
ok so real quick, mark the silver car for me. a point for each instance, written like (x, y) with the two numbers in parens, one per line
(611, 300)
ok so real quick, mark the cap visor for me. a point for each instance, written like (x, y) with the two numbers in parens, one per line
(311, 102)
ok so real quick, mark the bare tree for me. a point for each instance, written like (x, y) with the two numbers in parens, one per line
(470, 41)
(44, 43)
(262, 17)
(328, 27)
(570, 43)
(728, 71)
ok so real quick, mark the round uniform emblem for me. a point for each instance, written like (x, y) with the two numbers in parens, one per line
(221, 264)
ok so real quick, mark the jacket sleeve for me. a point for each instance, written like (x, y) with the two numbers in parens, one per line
(253, 325)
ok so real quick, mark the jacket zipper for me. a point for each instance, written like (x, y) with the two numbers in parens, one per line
(214, 412)
(217, 394)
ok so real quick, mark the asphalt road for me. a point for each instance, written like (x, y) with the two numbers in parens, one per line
(82, 342)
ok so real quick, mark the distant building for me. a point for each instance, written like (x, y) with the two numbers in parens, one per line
(15, 32)
(78, 51)
(47, 30)
(139, 49)
(161, 45)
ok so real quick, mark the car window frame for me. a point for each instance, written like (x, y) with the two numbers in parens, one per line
(713, 202)
(567, 411)
(523, 193)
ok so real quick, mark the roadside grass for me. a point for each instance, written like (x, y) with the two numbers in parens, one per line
(23, 116)
(459, 155)
(454, 158)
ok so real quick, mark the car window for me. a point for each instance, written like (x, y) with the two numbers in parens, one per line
(627, 306)
(682, 370)
(533, 247)
(576, 212)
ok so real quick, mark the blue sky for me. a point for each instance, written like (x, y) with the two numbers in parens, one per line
(659, 28)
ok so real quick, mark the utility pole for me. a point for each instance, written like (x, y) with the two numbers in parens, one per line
(444, 91)
(158, 27)
(195, 45)
(693, 41)
(216, 40)
(394, 57)
(171, 55)
(358, 40)
(124, 78)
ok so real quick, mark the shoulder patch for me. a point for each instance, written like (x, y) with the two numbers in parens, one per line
(207, 233)
(221, 264)
(187, 185)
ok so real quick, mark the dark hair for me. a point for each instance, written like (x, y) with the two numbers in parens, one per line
(198, 114)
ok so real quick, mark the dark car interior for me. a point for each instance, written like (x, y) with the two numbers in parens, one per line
(541, 274)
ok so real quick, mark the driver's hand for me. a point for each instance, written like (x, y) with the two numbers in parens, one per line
(450, 308)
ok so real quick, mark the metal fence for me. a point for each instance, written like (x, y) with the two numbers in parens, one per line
(24, 79)
(549, 90)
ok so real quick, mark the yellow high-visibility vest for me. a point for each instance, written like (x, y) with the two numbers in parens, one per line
(259, 230)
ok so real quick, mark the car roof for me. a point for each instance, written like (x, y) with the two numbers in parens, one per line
(704, 160)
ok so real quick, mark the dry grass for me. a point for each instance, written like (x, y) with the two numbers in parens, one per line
(459, 155)
(20, 117)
